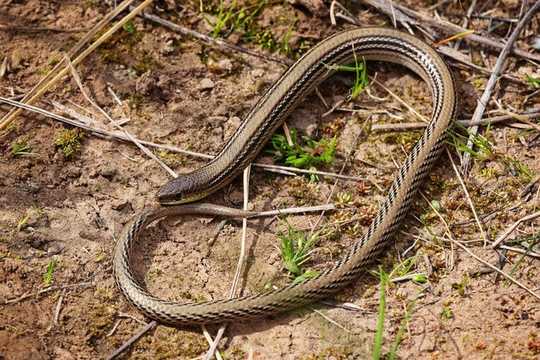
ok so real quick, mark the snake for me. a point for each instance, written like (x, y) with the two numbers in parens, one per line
(180, 196)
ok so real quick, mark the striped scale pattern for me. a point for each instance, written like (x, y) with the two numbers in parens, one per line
(268, 114)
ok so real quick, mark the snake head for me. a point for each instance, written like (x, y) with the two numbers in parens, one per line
(179, 191)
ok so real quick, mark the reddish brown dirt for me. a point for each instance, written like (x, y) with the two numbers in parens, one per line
(71, 210)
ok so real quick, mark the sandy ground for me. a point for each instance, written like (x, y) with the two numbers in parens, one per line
(179, 91)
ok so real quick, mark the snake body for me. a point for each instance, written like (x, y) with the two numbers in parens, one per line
(268, 114)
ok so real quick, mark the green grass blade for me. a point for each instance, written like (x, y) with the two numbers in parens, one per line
(377, 344)
(399, 336)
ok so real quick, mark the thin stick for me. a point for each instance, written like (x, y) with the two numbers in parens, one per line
(470, 11)
(408, 16)
(43, 291)
(150, 154)
(36, 29)
(294, 210)
(497, 269)
(152, 324)
(111, 134)
(485, 121)
(210, 341)
(497, 69)
(462, 59)
(209, 40)
(114, 328)
(402, 102)
(469, 200)
(513, 227)
(58, 307)
(239, 266)
(521, 251)
(329, 319)
(78, 46)
(451, 237)
(7, 120)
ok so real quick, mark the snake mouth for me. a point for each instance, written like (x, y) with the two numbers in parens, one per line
(168, 196)
(169, 201)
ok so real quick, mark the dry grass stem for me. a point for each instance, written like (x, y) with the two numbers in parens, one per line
(152, 324)
(329, 319)
(490, 85)
(402, 102)
(148, 153)
(468, 197)
(513, 227)
(479, 259)
(120, 136)
(54, 79)
(241, 262)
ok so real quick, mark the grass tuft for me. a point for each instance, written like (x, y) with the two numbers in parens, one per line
(69, 142)
(21, 148)
(359, 68)
(533, 82)
(313, 154)
(49, 272)
(296, 249)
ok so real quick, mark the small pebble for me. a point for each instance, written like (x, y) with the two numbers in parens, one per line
(536, 43)
(257, 73)
(225, 65)
(206, 84)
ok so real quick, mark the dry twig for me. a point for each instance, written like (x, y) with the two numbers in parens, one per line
(468, 197)
(408, 16)
(239, 266)
(110, 134)
(152, 324)
(479, 259)
(40, 90)
(213, 41)
(497, 69)
(513, 227)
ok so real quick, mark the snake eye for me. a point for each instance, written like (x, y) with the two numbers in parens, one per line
(170, 193)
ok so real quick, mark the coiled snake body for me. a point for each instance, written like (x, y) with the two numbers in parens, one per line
(268, 114)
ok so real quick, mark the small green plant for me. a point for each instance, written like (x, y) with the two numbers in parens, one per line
(49, 272)
(21, 148)
(344, 198)
(308, 274)
(447, 313)
(405, 269)
(314, 152)
(232, 18)
(484, 148)
(461, 286)
(68, 141)
(21, 224)
(385, 279)
(519, 169)
(489, 173)
(129, 27)
(296, 249)
(392, 354)
(533, 82)
(361, 80)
